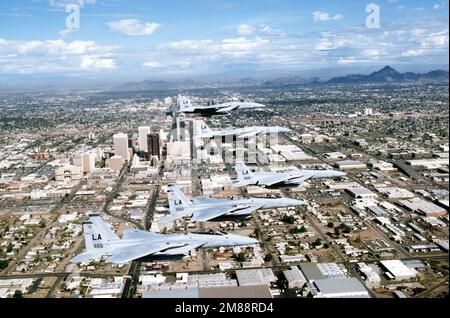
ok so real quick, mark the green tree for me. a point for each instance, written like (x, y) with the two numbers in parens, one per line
(241, 257)
(288, 219)
(3, 264)
(317, 242)
(268, 258)
(18, 294)
(330, 225)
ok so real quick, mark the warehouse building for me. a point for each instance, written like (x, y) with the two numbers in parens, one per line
(295, 277)
(361, 193)
(255, 277)
(348, 287)
(423, 207)
(397, 270)
(350, 165)
(395, 193)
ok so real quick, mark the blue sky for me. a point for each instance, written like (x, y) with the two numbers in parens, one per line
(140, 39)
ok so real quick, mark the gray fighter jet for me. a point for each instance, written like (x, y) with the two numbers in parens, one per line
(207, 209)
(101, 241)
(246, 177)
(184, 106)
(204, 132)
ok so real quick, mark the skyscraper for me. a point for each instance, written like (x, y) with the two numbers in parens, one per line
(153, 146)
(143, 132)
(121, 146)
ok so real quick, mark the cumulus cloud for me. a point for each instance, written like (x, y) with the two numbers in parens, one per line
(324, 16)
(90, 62)
(28, 57)
(245, 30)
(133, 27)
(234, 47)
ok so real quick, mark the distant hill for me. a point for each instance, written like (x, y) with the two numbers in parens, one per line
(388, 74)
(385, 75)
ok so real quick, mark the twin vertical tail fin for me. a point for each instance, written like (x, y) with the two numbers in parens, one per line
(184, 104)
(97, 236)
(203, 130)
(244, 176)
(179, 205)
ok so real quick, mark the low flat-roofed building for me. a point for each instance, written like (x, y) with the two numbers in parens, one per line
(331, 270)
(311, 272)
(348, 287)
(395, 193)
(423, 207)
(398, 269)
(295, 277)
(443, 244)
(255, 277)
(350, 164)
(361, 193)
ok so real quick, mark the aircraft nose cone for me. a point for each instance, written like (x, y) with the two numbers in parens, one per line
(293, 202)
(284, 130)
(258, 105)
(340, 174)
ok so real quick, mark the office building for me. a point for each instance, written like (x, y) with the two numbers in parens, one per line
(153, 149)
(121, 146)
(143, 133)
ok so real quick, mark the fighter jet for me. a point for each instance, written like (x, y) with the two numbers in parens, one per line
(246, 177)
(184, 106)
(101, 241)
(204, 132)
(207, 209)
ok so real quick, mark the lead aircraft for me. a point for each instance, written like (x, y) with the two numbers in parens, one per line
(184, 105)
(101, 241)
(296, 178)
(204, 209)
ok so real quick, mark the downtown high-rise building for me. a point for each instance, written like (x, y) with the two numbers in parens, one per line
(153, 146)
(143, 132)
(121, 146)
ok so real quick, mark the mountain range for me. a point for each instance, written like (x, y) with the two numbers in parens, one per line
(385, 75)
(388, 75)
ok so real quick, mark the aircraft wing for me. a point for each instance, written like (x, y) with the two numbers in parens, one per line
(299, 180)
(206, 214)
(270, 180)
(183, 250)
(250, 134)
(130, 253)
(227, 108)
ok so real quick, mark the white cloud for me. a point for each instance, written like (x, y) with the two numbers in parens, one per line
(235, 47)
(324, 16)
(152, 65)
(29, 57)
(437, 39)
(372, 52)
(413, 52)
(92, 62)
(133, 27)
(347, 60)
(245, 30)
(440, 5)
(417, 32)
